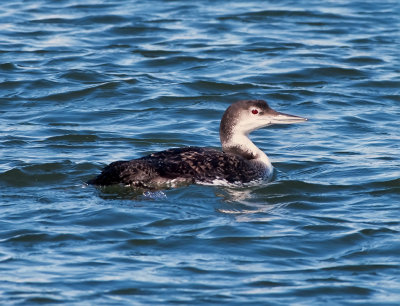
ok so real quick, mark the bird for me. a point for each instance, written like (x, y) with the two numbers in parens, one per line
(239, 163)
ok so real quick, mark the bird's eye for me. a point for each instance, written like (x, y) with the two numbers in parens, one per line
(254, 111)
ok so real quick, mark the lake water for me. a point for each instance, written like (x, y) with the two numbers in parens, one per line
(85, 83)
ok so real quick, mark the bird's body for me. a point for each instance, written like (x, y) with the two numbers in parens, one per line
(240, 162)
(178, 166)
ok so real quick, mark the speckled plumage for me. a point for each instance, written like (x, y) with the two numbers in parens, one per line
(180, 165)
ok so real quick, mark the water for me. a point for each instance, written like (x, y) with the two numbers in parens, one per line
(84, 84)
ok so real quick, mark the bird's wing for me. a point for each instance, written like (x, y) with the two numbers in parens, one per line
(189, 164)
(202, 164)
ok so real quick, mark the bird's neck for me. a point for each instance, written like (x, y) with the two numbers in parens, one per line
(240, 144)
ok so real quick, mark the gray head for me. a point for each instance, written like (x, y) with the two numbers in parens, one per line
(245, 116)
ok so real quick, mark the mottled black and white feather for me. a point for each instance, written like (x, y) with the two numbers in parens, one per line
(179, 166)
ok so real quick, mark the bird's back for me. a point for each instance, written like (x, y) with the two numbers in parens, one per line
(180, 166)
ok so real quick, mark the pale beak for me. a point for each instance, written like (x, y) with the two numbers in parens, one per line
(281, 118)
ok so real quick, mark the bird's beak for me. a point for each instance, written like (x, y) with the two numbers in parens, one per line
(281, 118)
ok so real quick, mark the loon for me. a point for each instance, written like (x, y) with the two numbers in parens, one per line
(239, 162)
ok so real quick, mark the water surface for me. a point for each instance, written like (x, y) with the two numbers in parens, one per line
(84, 84)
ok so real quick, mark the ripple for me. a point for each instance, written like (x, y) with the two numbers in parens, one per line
(364, 60)
(36, 174)
(83, 75)
(380, 84)
(326, 73)
(72, 138)
(78, 93)
(37, 238)
(138, 30)
(293, 13)
(84, 84)
(8, 67)
(175, 61)
(207, 86)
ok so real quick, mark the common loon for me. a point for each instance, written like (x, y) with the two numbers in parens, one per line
(239, 162)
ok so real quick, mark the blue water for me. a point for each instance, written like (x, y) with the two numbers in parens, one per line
(85, 83)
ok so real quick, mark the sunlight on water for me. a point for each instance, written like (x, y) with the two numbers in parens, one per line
(83, 84)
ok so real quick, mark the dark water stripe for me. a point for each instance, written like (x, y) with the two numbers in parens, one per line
(380, 84)
(73, 138)
(79, 93)
(35, 238)
(284, 13)
(83, 75)
(19, 178)
(8, 66)
(176, 61)
(208, 86)
(43, 174)
(145, 29)
(96, 19)
(326, 72)
(364, 60)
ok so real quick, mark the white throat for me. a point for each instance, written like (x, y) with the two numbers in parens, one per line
(240, 143)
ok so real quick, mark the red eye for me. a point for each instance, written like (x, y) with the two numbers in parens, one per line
(254, 111)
